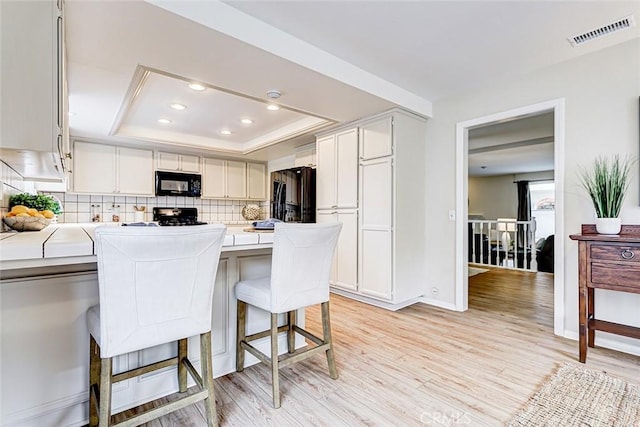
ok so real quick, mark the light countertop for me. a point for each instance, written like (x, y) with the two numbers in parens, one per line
(60, 244)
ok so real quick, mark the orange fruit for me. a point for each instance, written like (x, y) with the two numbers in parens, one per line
(18, 209)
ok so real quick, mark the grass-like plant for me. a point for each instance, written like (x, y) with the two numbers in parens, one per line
(606, 183)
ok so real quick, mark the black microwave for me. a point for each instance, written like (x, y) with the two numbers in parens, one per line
(178, 184)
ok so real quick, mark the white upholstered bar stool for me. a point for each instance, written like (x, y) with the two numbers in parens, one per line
(156, 286)
(300, 271)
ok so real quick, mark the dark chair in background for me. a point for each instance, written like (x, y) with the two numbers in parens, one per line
(544, 258)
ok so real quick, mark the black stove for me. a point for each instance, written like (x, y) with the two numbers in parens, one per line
(176, 216)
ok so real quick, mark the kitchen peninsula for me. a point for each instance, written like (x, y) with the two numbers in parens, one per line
(48, 280)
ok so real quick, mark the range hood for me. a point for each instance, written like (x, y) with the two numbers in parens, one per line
(34, 165)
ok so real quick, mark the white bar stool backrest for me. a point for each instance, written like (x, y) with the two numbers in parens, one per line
(155, 284)
(301, 264)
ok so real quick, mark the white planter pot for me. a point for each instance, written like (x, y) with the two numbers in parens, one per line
(608, 225)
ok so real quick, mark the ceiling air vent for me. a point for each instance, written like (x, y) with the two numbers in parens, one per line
(619, 25)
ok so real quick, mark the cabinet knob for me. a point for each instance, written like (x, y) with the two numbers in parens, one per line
(627, 254)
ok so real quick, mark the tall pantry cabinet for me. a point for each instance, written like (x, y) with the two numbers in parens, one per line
(337, 200)
(387, 256)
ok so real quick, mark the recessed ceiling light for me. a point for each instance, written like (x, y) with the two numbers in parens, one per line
(164, 121)
(225, 132)
(197, 86)
(71, 113)
(273, 107)
(246, 121)
(177, 106)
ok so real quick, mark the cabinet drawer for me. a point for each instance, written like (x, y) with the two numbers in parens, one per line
(620, 253)
(614, 274)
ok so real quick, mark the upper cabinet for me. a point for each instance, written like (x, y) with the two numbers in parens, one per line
(32, 76)
(256, 181)
(376, 139)
(224, 179)
(233, 179)
(337, 172)
(107, 169)
(178, 162)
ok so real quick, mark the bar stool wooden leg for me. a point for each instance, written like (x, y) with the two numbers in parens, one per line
(275, 375)
(105, 392)
(291, 335)
(182, 369)
(326, 329)
(207, 379)
(241, 320)
(94, 381)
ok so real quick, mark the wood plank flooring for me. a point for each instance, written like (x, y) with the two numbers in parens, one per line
(419, 366)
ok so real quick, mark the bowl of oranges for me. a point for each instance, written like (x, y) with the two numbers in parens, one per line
(22, 218)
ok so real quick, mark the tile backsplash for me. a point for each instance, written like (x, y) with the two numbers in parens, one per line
(78, 208)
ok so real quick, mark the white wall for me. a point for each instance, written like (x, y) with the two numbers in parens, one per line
(493, 196)
(601, 116)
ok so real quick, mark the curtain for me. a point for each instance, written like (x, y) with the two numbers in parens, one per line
(524, 210)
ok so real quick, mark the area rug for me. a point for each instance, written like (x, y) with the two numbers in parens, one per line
(576, 396)
(474, 270)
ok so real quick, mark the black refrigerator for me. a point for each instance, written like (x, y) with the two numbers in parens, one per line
(293, 195)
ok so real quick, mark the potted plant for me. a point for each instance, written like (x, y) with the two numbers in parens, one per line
(606, 182)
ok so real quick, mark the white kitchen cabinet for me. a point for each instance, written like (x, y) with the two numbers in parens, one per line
(94, 168)
(33, 97)
(108, 169)
(135, 171)
(178, 162)
(376, 234)
(337, 170)
(376, 139)
(344, 271)
(224, 179)
(256, 181)
(391, 241)
(326, 173)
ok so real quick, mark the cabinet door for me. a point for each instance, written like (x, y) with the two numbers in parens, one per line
(29, 80)
(347, 169)
(347, 250)
(376, 139)
(376, 232)
(94, 168)
(168, 161)
(190, 164)
(330, 217)
(236, 179)
(135, 171)
(257, 181)
(214, 181)
(326, 173)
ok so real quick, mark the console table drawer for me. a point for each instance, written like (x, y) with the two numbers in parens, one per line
(621, 253)
(606, 275)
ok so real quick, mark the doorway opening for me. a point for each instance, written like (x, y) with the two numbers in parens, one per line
(463, 130)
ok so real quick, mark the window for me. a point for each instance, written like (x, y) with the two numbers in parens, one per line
(543, 207)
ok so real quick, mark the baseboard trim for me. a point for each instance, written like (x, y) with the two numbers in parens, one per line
(610, 341)
(438, 303)
(375, 302)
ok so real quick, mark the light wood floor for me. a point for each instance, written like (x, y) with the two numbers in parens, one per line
(418, 366)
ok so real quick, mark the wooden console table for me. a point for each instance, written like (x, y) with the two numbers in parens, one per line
(605, 262)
